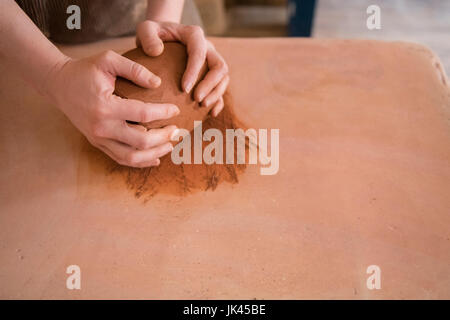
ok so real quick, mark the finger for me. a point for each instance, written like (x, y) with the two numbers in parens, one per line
(139, 139)
(151, 163)
(109, 153)
(196, 47)
(149, 38)
(218, 69)
(138, 111)
(133, 71)
(136, 126)
(218, 92)
(128, 156)
(218, 107)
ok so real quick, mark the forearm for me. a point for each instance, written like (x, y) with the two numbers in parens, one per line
(165, 10)
(23, 46)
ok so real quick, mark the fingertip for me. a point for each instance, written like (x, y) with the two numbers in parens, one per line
(174, 110)
(207, 102)
(218, 108)
(151, 163)
(168, 147)
(187, 87)
(154, 49)
(199, 96)
(155, 81)
(188, 83)
(159, 48)
(174, 134)
(171, 127)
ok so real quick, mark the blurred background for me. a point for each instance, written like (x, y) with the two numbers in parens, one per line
(423, 21)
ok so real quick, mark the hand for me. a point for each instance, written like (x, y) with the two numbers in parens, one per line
(151, 35)
(83, 90)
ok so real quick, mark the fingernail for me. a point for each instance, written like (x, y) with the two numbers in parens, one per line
(156, 81)
(206, 103)
(174, 110)
(174, 135)
(188, 87)
(168, 148)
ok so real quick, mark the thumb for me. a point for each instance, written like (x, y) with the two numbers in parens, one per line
(148, 38)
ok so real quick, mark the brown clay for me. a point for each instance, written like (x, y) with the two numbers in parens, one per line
(182, 179)
(168, 177)
(170, 67)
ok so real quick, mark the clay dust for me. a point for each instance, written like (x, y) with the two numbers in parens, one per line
(175, 179)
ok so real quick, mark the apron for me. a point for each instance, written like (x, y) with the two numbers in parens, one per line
(100, 19)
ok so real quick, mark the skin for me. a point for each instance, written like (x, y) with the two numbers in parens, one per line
(83, 88)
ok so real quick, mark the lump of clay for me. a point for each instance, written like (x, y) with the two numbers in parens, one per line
(170, 67)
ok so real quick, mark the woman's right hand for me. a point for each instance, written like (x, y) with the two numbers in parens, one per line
(83, 90)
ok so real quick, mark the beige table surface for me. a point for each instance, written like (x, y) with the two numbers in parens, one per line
(364, 180)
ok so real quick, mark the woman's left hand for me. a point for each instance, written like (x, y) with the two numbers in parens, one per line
(209, 92)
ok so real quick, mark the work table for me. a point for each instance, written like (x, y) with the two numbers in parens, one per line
(364, 179)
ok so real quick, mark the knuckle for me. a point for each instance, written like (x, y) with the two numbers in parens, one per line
(223, 67)
(200, 55)
(193, 29)
(150, 24)
(198, 30)
(146, 115)
(98, 130)
(107, 55)
(144, 143)
(101, 112)
(225, 83)
(136, 70)
(210, 45)
(131, 159)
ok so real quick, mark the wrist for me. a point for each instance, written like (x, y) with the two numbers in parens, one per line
(165, 11)
(48, 85)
